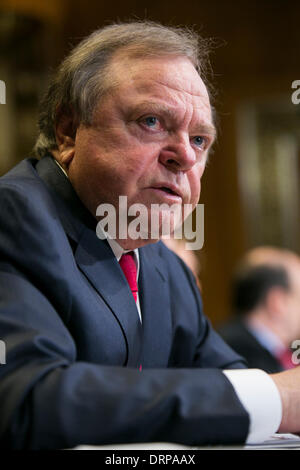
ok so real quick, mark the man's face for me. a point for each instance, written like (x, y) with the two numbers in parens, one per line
(149, 139)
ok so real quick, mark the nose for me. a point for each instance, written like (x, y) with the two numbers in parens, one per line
(178, 155)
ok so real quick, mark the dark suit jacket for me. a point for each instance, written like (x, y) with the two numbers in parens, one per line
(238, 336)
(74, 340)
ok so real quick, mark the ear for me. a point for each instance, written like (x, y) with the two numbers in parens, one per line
(65, 136)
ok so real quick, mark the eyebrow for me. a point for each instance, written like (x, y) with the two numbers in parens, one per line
(201, 128)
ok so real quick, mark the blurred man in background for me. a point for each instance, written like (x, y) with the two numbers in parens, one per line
(266, 301)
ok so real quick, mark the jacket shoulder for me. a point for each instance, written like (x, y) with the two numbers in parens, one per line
(22, 179)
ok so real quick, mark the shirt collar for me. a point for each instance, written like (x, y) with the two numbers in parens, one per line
(267, 338)
(118, 251)
(62, 169)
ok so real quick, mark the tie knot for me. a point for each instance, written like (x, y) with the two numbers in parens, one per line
(128, 266)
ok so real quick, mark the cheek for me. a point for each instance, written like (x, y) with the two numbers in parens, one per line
(195, 182)
(294, 317)
(195, 187)
(140, 164)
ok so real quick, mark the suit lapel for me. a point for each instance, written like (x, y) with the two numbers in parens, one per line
(98, 263)
(155, 305)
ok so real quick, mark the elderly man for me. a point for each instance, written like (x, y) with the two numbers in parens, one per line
(106, 339)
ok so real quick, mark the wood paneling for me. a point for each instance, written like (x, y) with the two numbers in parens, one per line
(52, 10)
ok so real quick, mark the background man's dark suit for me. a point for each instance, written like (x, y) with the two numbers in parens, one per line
(240, 338)
(74, 340)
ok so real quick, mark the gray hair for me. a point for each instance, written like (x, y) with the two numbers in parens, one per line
(83, 77)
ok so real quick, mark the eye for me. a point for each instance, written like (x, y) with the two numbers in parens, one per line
(200, 141)
(151, 121)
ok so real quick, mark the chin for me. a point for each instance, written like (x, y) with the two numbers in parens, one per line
(151, 226)
(133, 244)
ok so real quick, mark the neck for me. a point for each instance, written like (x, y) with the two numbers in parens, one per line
(129, 244)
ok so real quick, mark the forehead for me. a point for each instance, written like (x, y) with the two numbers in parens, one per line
(167, 78)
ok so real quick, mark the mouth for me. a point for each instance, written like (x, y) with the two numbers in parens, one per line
(168, 189)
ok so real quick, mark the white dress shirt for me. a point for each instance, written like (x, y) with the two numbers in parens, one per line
(266, 338)
(260, 397)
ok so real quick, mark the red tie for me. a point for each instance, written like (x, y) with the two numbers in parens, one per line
(128, 266)
(285, 359)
